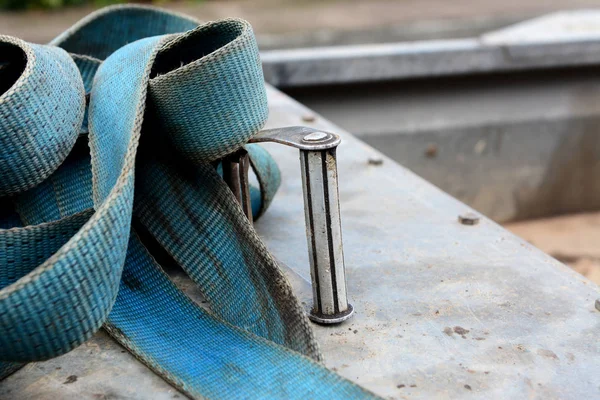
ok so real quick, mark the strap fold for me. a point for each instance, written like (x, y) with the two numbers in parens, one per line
(163, 107)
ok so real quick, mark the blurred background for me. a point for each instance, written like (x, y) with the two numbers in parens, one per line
(302, 23)
(495, 102)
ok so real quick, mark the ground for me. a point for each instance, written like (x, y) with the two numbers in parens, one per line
(572, 239)
(272, 17)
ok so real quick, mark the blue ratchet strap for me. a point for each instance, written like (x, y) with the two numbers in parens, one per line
(164, 106)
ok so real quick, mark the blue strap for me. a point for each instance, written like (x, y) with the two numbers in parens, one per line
(268, 177)
(162, 109)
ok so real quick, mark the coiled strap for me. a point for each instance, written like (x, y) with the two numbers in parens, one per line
(162, 109)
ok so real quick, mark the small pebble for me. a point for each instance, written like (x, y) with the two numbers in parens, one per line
(375, 161)
(431, 150)
(308, 118)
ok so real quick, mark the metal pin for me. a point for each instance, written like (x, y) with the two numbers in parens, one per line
(468, 218)
(244, 167)
(235, 174)
(324, 235)
(322, 214)
(231, 175)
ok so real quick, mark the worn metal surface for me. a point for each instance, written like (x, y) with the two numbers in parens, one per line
(244, 168)
(563, 39)
(324, 237)
(442, 309)
(235, 173)
(300, 137)
(318, 166)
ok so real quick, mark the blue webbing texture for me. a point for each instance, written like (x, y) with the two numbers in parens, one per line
(268, 176)
(162, 108)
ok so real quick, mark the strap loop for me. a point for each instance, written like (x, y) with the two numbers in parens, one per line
(37, 128)
(156, 103)
(231, 83)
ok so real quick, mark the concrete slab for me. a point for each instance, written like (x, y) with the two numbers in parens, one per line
(564, 39)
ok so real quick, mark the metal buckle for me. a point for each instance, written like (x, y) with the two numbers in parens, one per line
(235, 174)
(321, 210)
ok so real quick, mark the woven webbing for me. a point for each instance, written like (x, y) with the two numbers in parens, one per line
(164, 106)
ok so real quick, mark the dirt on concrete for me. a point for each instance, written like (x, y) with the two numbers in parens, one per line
(571, 239)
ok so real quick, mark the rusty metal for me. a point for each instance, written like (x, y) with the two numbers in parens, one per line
(244, 167)
(235, 174)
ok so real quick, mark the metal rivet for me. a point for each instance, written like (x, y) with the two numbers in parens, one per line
(468, 219)
(598, 304)
(315, 137)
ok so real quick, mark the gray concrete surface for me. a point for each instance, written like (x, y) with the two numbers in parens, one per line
(513, 146)
(558, 40)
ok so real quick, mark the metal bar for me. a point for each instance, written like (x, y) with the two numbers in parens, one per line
(324, 236)
(322, 213)
(565, 39)
(231, 176)
(244, 167)
(235, 173)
